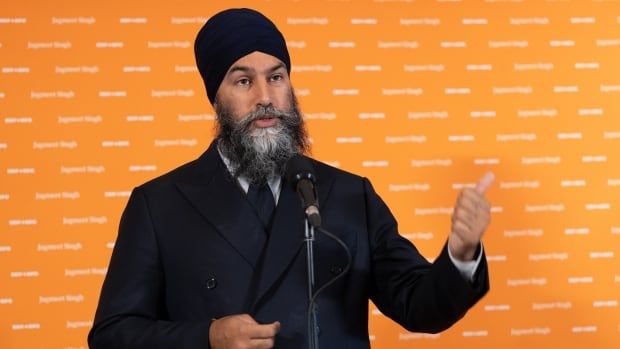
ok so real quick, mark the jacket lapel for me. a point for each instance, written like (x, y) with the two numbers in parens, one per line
(218, 198)
(286, 237)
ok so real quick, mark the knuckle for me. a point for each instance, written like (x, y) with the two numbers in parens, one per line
(461, 227)
(471, 193)
(463, 215)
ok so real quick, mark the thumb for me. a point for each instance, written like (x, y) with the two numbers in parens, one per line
(485, 182)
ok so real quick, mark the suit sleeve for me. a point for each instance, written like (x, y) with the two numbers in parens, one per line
(420, 296)
(132, 309)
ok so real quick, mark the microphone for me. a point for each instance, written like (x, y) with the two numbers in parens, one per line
(300, 174)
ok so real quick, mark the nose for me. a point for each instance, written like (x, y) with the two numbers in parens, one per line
(263, 93)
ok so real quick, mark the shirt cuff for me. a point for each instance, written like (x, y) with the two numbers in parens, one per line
(467, 269)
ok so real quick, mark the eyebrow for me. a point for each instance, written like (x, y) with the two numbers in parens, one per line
(246, 69)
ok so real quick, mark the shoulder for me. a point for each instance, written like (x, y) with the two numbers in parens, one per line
(195, 172)
(327, 170)
(345, 181)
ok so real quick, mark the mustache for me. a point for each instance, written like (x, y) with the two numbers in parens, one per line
(264, 112)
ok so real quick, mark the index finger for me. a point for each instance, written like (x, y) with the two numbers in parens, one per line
(264, 331)
(485, 182)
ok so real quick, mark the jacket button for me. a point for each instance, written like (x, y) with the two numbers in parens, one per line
(335, 269)
(211, 283)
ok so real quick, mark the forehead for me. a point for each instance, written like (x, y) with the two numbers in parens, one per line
(256, 61)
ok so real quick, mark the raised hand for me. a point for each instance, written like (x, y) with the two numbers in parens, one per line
(470, 219)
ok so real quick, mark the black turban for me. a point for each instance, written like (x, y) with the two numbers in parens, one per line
(230, 35)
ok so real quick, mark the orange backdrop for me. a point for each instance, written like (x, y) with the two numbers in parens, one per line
(420, 96)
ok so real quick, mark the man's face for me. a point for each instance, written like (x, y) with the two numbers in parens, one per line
(255, 80)
(259, 124)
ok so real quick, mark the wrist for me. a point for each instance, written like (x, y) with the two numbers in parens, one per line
(462, 252)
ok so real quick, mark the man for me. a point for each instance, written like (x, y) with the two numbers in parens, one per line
(204, 260)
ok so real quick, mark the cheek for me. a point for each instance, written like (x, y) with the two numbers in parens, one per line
(235, 107)
(283, 100)
(240, 113)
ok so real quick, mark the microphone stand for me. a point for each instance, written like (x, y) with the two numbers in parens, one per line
(313, 339)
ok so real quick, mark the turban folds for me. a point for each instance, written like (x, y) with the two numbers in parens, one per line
(230, 35)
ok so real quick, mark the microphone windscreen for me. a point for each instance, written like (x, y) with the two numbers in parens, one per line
(297, 168)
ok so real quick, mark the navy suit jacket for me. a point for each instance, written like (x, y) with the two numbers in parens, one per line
(190, 248)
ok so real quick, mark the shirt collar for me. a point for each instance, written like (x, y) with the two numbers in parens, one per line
(273, 182)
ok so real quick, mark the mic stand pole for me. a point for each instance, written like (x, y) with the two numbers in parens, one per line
(313, 340)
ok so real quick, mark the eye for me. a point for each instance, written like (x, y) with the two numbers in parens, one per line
(243, 82)
(277, 77)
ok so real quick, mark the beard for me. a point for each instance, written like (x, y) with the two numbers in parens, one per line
(258, 154)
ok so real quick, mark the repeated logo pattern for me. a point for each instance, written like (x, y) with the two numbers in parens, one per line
(422, 97)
